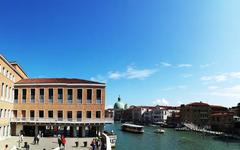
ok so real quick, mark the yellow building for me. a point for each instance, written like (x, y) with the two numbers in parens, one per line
(9, 74)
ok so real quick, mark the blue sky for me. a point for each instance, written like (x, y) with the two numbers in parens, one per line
(149, 52)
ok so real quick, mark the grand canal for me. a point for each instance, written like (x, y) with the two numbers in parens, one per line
(170, 140)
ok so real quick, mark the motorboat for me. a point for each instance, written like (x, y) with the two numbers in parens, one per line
(132, 128)
(159, 131)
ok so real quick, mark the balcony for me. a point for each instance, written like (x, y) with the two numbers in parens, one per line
(61, 120)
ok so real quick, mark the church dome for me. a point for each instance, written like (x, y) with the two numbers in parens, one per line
(119, 104)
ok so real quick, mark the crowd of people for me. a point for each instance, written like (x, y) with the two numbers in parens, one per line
(96, 143)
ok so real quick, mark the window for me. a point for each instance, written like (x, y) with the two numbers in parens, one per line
(50, 96)
(60, 96)
(99, 96)
(50, 114)
(24, 94)
(69, 94)
(89, 96)
(32, 115)
(2, 89)
(6, 92)
(79, 115)
(69, 115)
(79, 96)
(98, 114)
(32, 95)
(14, 113)
(4, 71)
(41, 114)
(60, 115)
(41, 95)
(89, 114)
(15, 95)
(23, 114)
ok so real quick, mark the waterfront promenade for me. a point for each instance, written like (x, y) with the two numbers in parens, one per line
(48, 143)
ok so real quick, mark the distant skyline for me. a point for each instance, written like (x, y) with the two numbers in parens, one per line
(149, 52)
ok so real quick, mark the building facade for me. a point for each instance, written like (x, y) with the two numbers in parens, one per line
(197, 113)
(72, 107)
(9, 74)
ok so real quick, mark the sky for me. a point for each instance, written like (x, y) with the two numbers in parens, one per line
(148, 52)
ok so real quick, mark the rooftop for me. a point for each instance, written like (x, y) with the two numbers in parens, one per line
(198, 104)
(56, 80)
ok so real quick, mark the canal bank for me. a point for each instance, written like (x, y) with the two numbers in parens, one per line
(170, 140)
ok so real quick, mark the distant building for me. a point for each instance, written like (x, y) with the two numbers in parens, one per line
(109, 113)
(119, 108)
(197, 113)
(222, 121)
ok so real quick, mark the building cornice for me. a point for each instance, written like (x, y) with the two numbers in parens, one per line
(58, 84)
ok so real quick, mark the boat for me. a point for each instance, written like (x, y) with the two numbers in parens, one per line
(159, 131)
(132, 128)
(113, 138)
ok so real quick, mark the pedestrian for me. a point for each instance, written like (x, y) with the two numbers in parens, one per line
(42, 134)
(34, 140)
(38, 138)
(93, 144)
(21, 137)
(63, 139)
(6, 147)
(59, 141)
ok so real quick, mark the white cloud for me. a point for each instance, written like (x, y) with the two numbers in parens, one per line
(114, 75)
(99, 78)
(184, 65)
(232, 92)
(221, 77)
(187, 75)
(162, 101)
(131, 73)
(165, 64)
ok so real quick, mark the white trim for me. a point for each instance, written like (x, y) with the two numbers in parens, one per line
(64, 84)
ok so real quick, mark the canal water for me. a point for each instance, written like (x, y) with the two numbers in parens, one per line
(170, 140)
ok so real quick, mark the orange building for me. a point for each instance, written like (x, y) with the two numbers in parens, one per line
(73, 107)
(9, 74)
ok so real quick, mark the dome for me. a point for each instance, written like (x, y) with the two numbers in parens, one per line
(119, 104)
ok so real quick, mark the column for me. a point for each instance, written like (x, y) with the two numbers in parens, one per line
(36, 130)
(74, 131)
(9, 130)
(83, 131)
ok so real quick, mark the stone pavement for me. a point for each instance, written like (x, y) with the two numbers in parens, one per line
(48, 143)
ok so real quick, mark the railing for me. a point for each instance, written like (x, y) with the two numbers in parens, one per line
(62, 120)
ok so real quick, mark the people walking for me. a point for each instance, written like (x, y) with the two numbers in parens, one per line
(21, 137)
(93, 144)
(35, 139)
(38, 138)
(63, 139)
(59, 141)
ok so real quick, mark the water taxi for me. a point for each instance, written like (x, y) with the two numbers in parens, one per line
(113, 138)
(159, 131)
(132, 128)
